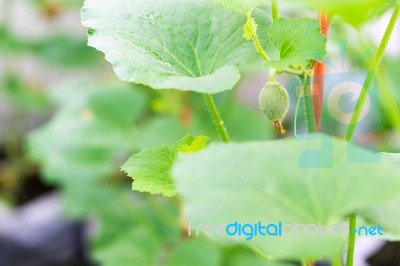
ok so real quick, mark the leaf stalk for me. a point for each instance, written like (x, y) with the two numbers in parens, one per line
(357, 113)
(218, 122)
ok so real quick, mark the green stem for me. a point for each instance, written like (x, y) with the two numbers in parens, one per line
(296, 113)
(219, 123)
(259, 48)
(274, 10)
(254, 37)
(291, 71)
(371, 74)
(308, 105)
(351, 240)
(272, 75)
(357, 113)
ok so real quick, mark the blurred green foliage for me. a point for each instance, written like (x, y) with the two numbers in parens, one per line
(96, 125)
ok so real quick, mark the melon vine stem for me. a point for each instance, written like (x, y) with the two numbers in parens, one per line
(218, 122)
(319, 74)
(357, 113)
(274, 10)
(308, 103)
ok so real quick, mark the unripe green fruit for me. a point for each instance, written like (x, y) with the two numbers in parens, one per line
(274, 102)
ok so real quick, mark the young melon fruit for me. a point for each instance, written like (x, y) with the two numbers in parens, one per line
(274, 102)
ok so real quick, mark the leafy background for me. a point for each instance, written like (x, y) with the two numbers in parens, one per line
(68, 123)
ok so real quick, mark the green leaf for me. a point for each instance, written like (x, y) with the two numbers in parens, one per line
(298, 41)
(91, 129)
(387, 214)
(309, 180)
(242, 5)
(353, 12)
(198, 144)
(192, 45)
(150, 168)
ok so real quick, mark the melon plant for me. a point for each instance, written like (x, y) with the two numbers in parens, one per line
(204, 47)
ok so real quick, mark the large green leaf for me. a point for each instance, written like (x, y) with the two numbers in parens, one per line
(310, 180)
(150, 168)
(183, 44)
(297, 40)
(242, 5)
(387, 215)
